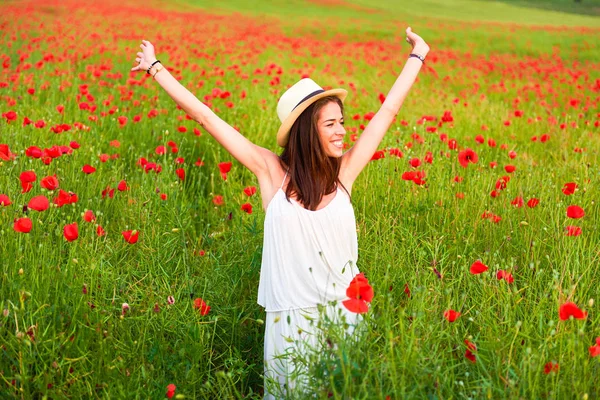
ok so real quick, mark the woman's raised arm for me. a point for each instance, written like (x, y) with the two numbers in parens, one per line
(246, 152)
(355, 159)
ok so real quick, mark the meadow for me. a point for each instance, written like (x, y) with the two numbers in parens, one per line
(130, 241)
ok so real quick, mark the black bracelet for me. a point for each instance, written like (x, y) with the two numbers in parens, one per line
(420, 57)
(148, 70)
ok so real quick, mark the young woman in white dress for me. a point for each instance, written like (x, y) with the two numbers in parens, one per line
(310, 245)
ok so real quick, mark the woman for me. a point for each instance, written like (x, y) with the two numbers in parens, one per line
(310, 244)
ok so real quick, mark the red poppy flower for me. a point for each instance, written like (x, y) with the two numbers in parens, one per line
(573, 230)
(71, 232)
(65, 198)
(469, 353)
(595, 349)
(218, 200)
(33, 152)
(39, 203)
(131, 237)
(26, 178)
(224, 168)
(160, 150)
(247, 208)
(171, 390)
(88, 169)
(512, 154)
(10, 116)
(478, 267)
(570, 309)
(5, 200)
(122, 186)
(100, 231)
(467, 156)
(199, 304)
(510, 168)
(575, 212)
(360, 293)
(451, 315)
(569, 188)
(110, 192)
(533, 202)
(180, 173)
(5, 153)
(23, 225)
(250, 191)
(507, 276)
(414, 162)
(49, 182)
(378, 155)
(89, 216)
(550, 367)
(517, 202)
(396, 152)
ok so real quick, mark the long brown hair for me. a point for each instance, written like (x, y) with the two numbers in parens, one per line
(313, 174)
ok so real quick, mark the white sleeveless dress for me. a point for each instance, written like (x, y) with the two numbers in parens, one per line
(309, 258)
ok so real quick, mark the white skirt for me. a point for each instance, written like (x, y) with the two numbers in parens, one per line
(295, 331)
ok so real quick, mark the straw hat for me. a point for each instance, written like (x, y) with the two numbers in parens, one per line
(297, 99)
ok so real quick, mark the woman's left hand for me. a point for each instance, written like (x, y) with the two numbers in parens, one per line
(418, 44)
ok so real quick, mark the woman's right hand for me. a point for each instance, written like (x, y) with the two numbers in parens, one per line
(418, 44)
(146, 57)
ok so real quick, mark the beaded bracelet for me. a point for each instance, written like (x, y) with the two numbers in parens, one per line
(148, 70)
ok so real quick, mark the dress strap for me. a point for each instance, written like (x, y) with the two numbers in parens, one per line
(282, 182)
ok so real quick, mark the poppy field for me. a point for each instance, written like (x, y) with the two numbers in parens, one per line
(130, 240)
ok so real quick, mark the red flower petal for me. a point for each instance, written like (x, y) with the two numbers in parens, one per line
(451, 315)
(356, 306)
(71, 232)
(478, 267)
(202, 306)
(39, 203)
(575, 212)
(570, 309)
(22, 225)
(131, 237)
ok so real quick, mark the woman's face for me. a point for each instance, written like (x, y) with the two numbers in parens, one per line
(331, 130)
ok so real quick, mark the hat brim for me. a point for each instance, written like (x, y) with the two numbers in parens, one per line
(283, 133)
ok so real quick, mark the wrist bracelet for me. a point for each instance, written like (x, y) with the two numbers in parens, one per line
(420, 57)
(148, 70)
(158, 69)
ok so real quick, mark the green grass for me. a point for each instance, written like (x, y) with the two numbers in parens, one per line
(560, 13)
(582, 7)
(71, 293)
